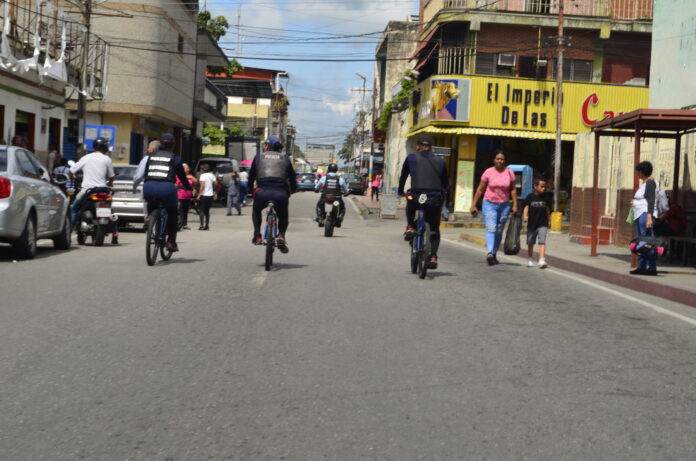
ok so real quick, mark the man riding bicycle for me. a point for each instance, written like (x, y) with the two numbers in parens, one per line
(160, 170)
(275, 180)
(334, 187)
(429, 179)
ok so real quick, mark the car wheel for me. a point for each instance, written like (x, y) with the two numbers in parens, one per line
(25, 246)
(62, 241)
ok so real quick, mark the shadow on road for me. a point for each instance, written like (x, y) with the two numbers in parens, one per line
(7, 253)
(285, 266)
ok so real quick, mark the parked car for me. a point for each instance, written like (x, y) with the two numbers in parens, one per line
(129, 207)
(306, 181)
(31, 206)
(356, 184)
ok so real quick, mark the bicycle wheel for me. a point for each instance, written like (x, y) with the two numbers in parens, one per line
(270, 242)
(414, 255)
(424, 253)
(152, 241)
(164, 251)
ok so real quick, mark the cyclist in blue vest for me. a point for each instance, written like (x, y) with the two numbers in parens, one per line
(159, 170)
(275, 180)
(331, 185)
(429, 179)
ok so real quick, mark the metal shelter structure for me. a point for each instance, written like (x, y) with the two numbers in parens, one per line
(642, 123)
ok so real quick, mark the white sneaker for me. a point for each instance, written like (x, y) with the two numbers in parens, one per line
(542, 264)
(530, 263)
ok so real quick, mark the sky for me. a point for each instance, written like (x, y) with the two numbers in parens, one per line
(322, 105)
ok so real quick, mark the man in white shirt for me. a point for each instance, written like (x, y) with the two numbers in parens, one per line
(206, 195)
(243, 185)
(97, 171)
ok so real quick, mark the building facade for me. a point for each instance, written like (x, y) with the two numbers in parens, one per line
(487, 79)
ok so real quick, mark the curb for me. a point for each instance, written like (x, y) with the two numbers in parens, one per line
(364, 209)
(632, 282)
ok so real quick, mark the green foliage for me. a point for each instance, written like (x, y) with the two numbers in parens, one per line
(407, 86)
(216, 26)
(217, 136)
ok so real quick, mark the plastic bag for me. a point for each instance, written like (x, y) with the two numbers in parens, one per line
(512, 238)
(630, 219)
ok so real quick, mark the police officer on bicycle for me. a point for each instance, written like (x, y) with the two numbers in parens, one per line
(332, 186)
(275, 180)
(159, 170)
(429, 184)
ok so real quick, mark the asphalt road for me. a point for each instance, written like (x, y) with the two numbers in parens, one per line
(338, 353)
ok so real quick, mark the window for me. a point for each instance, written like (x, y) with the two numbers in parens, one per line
(575, 69)
(488, 64)
(180, 44)
(26, 166)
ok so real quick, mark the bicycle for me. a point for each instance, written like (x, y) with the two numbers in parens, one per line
(155, 241)
(420, 243)
(270, 234)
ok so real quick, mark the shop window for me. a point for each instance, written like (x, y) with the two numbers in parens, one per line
(575, 69)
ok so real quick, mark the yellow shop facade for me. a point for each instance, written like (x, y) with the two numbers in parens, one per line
(472, 116)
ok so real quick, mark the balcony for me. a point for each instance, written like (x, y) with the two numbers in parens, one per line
(212, 108)
(456, 60)
(617, 10)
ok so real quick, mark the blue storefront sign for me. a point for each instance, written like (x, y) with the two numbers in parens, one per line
(93, 132)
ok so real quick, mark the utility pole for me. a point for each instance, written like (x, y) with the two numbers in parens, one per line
(555, 221)
(362, 113)
(82, 79)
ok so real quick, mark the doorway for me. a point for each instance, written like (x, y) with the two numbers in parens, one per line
(25, 123)
(54, 132)
(136, 148)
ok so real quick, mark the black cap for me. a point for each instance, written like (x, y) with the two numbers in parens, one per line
(424, 141)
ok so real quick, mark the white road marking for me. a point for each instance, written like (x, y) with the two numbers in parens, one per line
(578, 278)
(357, 210)
(260, 278)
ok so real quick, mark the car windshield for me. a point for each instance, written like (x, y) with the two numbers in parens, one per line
(125, 173)
(225, 168)
(351, 178)
(3, 159)
(307, 176)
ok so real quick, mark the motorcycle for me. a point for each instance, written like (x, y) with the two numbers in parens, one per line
(94, 217)
(330, 216)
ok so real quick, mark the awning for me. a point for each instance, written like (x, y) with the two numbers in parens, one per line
(492, 132)
(424, 43)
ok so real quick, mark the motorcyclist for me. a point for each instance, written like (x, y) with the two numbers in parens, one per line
(428, 179)
(160, 170)
(331, 185)
(97, 171)
(275, 180)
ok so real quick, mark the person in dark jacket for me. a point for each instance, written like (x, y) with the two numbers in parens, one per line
(275, 180)
(429, 184)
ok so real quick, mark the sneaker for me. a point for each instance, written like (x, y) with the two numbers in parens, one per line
(228, 214)
(530, 263)
(114, 240)
(495, 259)
(432, 264)
(637, 271)
(186, 227)
(650, 272)
(201, 228)
(490, 259)
(172, 246)
(257, 240)
(409, 233)
(542, 264)
(282, 244)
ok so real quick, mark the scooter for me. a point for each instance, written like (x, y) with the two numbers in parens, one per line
(94, 217)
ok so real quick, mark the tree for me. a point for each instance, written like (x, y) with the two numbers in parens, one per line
(217, 28)
(217, 136)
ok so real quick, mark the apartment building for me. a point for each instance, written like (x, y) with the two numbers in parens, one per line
(487, 73)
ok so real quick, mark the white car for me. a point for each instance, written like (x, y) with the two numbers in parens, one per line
(31, 207)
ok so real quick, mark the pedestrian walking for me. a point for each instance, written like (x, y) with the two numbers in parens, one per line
(644, 212)
(233, 195)
(497, 186)
(537, 210)
(206, 195)
(185, 196)
(54, 158)
(376, 184)
(243, 185)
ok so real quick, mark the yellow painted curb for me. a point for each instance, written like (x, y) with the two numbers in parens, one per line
(481, 241)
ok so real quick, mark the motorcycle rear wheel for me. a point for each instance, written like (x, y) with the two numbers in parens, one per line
(329, 226)
(98, 236)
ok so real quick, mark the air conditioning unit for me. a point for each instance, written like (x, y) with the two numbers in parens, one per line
(507, 60)
(542, 63)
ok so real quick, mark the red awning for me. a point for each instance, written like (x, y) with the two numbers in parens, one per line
(427, 58)
(424, 43)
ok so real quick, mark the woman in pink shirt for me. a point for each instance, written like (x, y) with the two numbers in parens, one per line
(497, 187)
(376, 183)
(185, 196)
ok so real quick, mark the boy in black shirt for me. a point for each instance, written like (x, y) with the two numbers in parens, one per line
(536, 215)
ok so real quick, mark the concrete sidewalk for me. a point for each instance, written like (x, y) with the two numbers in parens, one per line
(674, 281)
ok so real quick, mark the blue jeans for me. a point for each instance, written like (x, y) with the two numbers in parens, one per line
(495, 216)
(641, 231)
